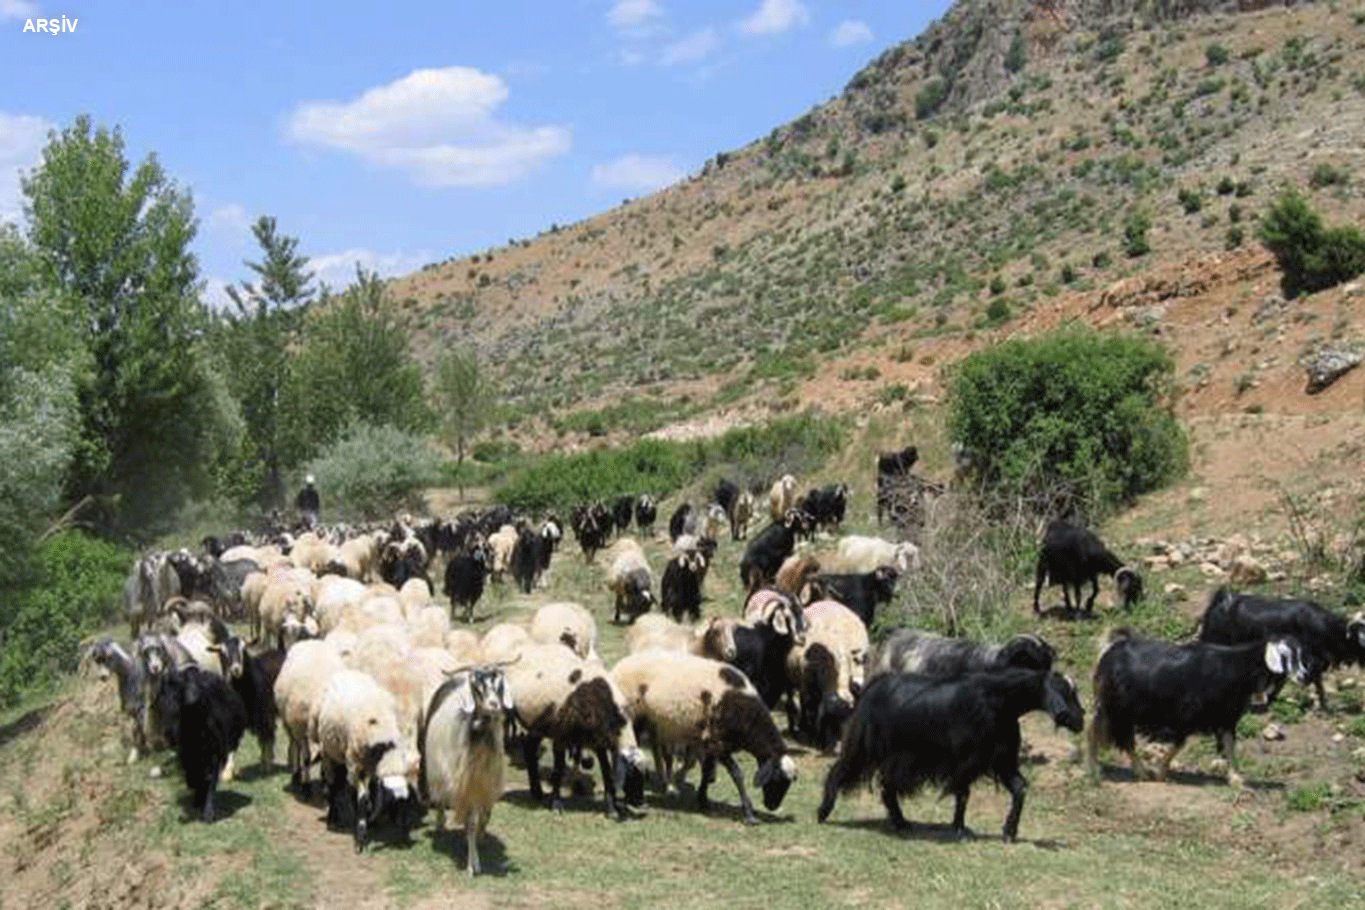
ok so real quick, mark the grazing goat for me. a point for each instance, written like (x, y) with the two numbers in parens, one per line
(910, 730)
(826, 505)
(1070, 556)
(1167, 692)
(253, 677)
(463, 765)
(913, 651)
(1328, 639)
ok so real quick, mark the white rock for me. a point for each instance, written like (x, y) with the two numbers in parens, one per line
(1272, 732)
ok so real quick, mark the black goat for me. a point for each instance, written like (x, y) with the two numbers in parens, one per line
(681, 522)
(252, 677)
(727, 491)
(765, 553)
(1329, 639)
(826, 505)
(466, 575)
(204, 719)
(1167, 692)
(1070, 556)
(909, 730)
(763, 645)
(527, 559)
(680, 588)
(646, 511)
(913, 651)
(892, 467)
(621, 511)
(861, 593)
(591, 526)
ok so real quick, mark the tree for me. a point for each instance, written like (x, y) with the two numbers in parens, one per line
(117, 245)
(465, 397)
(257, 344)
(353, 367)
(1312, 257)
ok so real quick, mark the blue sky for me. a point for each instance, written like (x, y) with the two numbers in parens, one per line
(398, 134)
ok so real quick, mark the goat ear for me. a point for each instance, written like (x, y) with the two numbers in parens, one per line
(462, 697)
(1279, 657)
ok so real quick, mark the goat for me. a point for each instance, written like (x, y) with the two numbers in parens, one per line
(1167, 692)
(909, 730)
(1070, 556)
(913, 651)
(861, 593)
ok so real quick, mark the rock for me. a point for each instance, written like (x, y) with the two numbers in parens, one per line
(1347, 682)
(1338, 737)
(1176, 592)
(1197, 494)
(1326, 365)
(1210, 570)
(1272, 733)
(1351, 290)
(1157, 563)
(1246, 570)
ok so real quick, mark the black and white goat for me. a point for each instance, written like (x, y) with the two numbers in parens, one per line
(1328, 639)
(253, 677)
(910, 730)
(914, 651)
(1167, 692)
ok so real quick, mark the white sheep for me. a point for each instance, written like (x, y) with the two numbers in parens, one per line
(503, 641)
(656, 632)
(782, 497)
(696, 706)
(429, 627)
(864, 554)
(313, 553)
(356, 730)
(462, 761)
(335, 597)
(360, 554)
(630, 582)
(566, 624)
(464, 646)
(500, 544)
(414, 595)
(573, 703)
(307, 668)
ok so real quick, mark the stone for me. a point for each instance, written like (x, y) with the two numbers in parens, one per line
(1328, 364)
(1272, 733)
(1176, 592)
(1210, 570)
(1157, 563)
(1246, 570)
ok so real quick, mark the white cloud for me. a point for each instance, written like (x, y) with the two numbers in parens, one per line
(635, 16)
(850, 31)
(337, 270)
(18, 9)
(231, 218)
(436, 125)
(637, 173)
(694, 47)
(774, 17)
(22, 138)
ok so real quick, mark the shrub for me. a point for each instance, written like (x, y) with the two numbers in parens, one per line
(1135, 228)
(1325, 175)
(1016, 57)
(997, 285)
(998, 311)
(1190, 200)
(1076, 411)
(1311, 256)
(374, 472)
(930, 98)
(1216, 55)
(76, 590)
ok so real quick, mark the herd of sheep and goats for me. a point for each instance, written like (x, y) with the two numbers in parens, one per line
(400, 707)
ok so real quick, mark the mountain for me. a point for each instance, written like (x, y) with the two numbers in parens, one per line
(1004, 160)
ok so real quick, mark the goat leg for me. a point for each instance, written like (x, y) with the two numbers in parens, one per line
(708, 774)
(730, 765)
(960, 811)
(557, 777)
(891, 800)
(1164, 765)
(1227, 741)
(471, 840)
(1017, 787)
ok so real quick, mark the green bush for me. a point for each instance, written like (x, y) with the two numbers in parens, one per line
(1073, 413)
(374, 472)
(1135, 228)
(76, 590)
(1190, 200)
(930, 98)
(796, 444)
(1311, 256)
(1216, 55)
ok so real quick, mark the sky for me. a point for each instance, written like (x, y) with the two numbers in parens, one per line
(393, 135)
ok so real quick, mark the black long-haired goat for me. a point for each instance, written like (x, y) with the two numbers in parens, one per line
(909, 730)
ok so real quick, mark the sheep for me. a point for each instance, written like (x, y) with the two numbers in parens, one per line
(574, 704)
(307, 669)
(312, 553)
(503, 641)
(465, 575)
(204, 720)
(567, 624)
(827, 671)
(656, 632)
(913, 651)
(462, 763)
(355, 726)
(1329, 640)
(863, 554)
(253, 677)
(1168, 691)
(360, 554)
(630, 583)
(464, 646)
(680, 588)
(861, 593)
(415, 594)
(782, 497)
(741, 511)
(429, 627)
(132, 691)
(500, 546)
(1070, 556)
(910, 730)
(287, 605)
(693, 704)
(646, 511)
